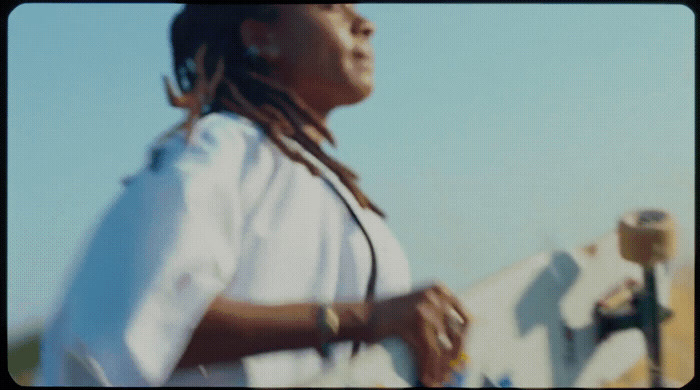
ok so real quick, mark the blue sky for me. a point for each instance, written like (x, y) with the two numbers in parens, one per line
(495, 131)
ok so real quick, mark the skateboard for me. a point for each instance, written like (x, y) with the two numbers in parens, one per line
(568, 318)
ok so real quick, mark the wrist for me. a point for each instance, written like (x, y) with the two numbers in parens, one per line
(379, 325)
(356, 321)
(374, 332)
(328, 325)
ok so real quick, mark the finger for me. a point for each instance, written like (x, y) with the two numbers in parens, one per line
(430, 357)
(455, 321)
(441, 298)
(456, 344)
(460, 362)
(445, 293)
(451, 324)
(441, 345)
(446, 366)
(449, 345)
(444, 342)
(457, 306)
(438, 346)
(456, 317)
(459, 340)
(452, 320)
(434, 297)
(441, 289)
(437, 334)
(454, 326)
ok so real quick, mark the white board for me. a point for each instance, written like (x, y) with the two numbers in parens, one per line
(532, 326)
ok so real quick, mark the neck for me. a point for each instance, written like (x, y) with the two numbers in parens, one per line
(322, 114)
(321, 109)
(319, 112)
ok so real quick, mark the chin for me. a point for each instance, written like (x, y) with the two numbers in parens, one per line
(359, 93)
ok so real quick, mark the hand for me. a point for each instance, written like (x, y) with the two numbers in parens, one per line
(432, 321)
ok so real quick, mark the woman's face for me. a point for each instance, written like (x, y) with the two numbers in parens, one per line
(325, 55)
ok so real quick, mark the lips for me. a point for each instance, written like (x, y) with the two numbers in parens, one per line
(365, 65)
(363, 59)
(363, 52)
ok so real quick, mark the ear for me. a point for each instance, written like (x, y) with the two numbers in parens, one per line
(260, 35)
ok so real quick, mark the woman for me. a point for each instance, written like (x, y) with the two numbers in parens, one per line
(243, 254)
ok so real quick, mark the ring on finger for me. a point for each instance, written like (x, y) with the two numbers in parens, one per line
(455, 320)
(444, 341)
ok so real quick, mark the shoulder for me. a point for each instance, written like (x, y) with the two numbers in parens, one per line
(220, 143)
(224, 135)
(221, 127)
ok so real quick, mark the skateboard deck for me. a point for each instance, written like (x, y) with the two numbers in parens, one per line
(533, 324)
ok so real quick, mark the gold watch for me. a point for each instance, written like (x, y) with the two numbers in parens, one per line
(328, 324)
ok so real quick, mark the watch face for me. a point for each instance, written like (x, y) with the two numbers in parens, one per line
(331, 319)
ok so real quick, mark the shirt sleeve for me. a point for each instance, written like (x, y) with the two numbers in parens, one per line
(163, 251)
(191, 238)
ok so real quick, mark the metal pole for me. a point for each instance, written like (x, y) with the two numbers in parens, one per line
(652, 331)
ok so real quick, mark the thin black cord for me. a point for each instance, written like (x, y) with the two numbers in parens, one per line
(371, 283)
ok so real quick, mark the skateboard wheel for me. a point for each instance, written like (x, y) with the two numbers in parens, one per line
(647, 237)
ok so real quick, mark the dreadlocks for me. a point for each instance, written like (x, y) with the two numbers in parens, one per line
(216, 72)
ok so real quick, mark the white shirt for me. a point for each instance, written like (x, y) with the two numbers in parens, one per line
(229, 214)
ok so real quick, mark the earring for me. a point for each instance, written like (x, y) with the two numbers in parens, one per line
(252, 51)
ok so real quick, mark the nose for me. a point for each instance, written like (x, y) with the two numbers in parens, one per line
(363, 26)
